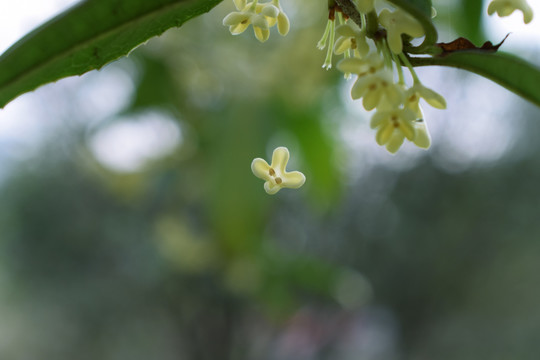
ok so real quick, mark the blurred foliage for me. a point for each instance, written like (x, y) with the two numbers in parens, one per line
(188, 258)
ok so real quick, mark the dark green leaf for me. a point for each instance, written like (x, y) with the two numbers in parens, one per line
(86, 37)
(511, 72)
(468, 20)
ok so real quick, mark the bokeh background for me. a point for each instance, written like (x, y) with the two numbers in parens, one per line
(131, 226)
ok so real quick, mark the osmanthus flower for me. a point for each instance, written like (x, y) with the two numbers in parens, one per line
(419, 91)
(507, 7)
(351, 38)
(377, 87)
(393, 126)
(275, 175)
(369, 64)
(239, 21)
(397, 23)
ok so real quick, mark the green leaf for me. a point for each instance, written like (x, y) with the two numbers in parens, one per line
(506, 70)
(421, 10)
(467, 20)
(86, 37)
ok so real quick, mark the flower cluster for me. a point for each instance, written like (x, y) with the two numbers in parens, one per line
(378, 65)
(507, 7)
(262, 16)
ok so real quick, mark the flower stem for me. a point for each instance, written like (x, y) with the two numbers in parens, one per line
(407, 63)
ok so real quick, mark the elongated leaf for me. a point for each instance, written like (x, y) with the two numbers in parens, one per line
(421, 10)
(509, 71)
(86, 37)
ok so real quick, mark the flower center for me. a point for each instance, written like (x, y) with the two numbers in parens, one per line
(278, 180)
(271, 172)
(394, 120)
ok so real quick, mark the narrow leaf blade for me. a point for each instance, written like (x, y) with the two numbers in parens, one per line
(86, 37)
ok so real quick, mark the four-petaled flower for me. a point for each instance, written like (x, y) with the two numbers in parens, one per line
(351, 38)
(393, 127)
(506, 7)
(419, 91)
(397, 23)
(275, 174)
(238, 21)
(375, 88)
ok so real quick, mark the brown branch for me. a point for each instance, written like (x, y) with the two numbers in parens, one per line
(347, 7)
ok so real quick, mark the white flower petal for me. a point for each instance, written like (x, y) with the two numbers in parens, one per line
(384, 133)
(270, 11)
(422, 139)
(283, 23)
(280, 157)
(260, 169)
(293, 179)
(395, 142)
(235, 18)
(271, 188)
(261, 34)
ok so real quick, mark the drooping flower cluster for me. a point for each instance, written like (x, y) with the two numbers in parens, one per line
(262, 16)
(376, 64)
(507, 7)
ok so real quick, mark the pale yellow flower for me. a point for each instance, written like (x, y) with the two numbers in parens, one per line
(239, 21)
(419, 91)
(369, 64)
(275, 175)
(397, 23)
(507, 7)
(375, 88)
(393, 126)
(351, 38)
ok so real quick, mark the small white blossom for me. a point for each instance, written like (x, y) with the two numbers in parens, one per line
(275, 175)
(507, 7)
(397, 23)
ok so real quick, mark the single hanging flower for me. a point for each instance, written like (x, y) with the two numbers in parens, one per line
(419, 91)
(275, 175)
(507, 7)
(397, 23)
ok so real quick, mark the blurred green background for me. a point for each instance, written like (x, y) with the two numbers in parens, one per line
(134, 229)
